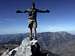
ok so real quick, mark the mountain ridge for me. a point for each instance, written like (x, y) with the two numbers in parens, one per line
(61, 43)
(19, 37)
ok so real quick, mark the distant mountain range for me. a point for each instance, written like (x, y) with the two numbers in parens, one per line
(62, 43)
(12, 38)
(63, 36)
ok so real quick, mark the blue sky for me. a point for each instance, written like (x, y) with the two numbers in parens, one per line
(60, 18)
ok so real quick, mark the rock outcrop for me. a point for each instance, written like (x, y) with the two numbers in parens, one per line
(28, 48)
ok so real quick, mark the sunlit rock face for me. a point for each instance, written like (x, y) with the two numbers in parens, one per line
(27, 48)
(23, 50)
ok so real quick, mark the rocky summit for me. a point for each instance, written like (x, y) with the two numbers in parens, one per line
(28, 48)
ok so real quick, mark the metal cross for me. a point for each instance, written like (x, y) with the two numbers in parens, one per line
(32, 14)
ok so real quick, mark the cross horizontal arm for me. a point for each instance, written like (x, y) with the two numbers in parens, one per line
(19, 11)
(43, 11)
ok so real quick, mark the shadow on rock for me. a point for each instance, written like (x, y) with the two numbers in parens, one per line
(36, 51)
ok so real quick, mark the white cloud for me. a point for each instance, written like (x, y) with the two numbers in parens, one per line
(59, 28)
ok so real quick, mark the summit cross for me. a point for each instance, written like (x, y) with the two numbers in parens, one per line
(32, 18)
